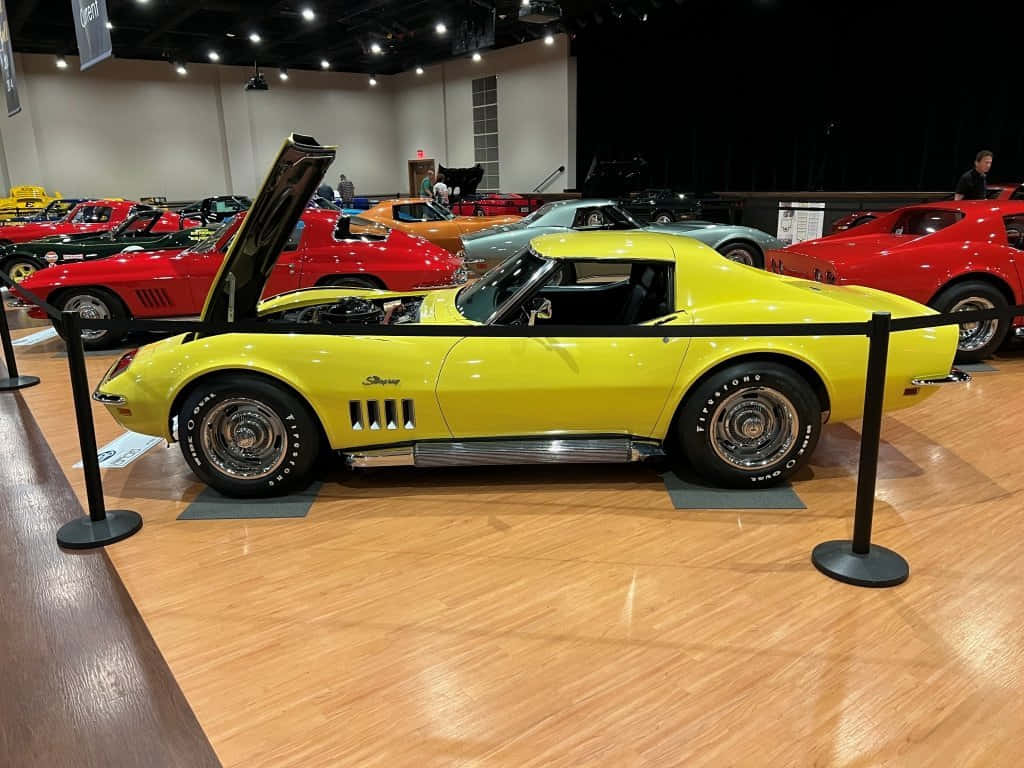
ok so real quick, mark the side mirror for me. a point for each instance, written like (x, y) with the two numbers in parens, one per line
(541, 310)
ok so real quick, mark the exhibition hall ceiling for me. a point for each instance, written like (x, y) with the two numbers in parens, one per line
(372, 36)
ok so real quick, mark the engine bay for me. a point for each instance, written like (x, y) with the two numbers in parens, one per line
(354, 310)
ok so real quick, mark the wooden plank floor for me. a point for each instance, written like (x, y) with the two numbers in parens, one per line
(572, 617)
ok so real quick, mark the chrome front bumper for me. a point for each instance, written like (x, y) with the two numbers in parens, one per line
(955, 376)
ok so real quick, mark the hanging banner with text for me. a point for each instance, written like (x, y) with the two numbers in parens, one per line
(7, 65)
(91, 30)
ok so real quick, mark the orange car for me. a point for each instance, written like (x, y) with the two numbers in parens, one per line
(422, 216)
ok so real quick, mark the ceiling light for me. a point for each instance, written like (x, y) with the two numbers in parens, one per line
(142, 2)
(373, 81)
(325, 64)
(255, 37)
(307, 14)
(477, 57)
(419, 70)
(375, 48)
(214, 56)
(181, 70)
(549, 40)
(644, 18)
(62, 63)
(231, 34)
(284, 73)
(441, 28)
(109, 25)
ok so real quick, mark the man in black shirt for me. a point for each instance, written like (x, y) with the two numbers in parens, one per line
(971, 185)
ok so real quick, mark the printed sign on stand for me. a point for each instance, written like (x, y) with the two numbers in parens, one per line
(36, 338)
(124, 450)
(800, 221)
(91, 30)
(7, 65)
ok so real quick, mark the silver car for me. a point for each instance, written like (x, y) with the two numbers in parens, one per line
(489, 247)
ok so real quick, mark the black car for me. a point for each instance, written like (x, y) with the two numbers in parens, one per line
(661, 206)
(220, 208)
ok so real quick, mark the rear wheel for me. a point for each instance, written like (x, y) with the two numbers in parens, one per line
(977, 340)
(21, 268)
(743, 253)
(95, 304)
(350, 282)
(662, 217)
(248, 437)
(751, 424)
(478, 211)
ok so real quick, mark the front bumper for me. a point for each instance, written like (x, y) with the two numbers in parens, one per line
(956, 376)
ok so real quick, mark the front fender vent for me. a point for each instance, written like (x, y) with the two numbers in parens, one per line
(369, 415)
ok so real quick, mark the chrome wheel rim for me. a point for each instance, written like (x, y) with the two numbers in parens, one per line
(740, 255)
(975, 336)
(754, 428)
(663, 219)
(244, 439)
(21, 271)
(89, 307)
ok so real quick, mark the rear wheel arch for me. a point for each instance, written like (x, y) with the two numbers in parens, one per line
(56, 298)
(333, 280)
(982, 277)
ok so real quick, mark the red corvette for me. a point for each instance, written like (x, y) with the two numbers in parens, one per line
(497, 205)
(90, 216)
(952, 256)
(324, 249)
(995, 192)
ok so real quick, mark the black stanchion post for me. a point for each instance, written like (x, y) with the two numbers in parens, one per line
(100, 527)
(859, 561)
(13, 380)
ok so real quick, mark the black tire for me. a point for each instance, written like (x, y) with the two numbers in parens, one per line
(478, 211)
(986, 338)
(744, 252)
(19, 267)
(761, 391)
(350, 282)
(662, 217)
(96, 304)
(279, 422)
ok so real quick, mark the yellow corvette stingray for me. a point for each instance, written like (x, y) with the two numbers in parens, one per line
(254, 411)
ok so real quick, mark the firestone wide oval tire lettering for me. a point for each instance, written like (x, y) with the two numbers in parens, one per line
(298, 444)
(740, 407)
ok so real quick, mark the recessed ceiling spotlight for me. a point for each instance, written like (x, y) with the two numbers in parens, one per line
(109, 25)
(419, 70)
(375, 48)
(62, 63)
(254, 37)
(477, 57)
(214, 56)
(181, 70)
(549, 40)
(373, 81)
(142, 2)
(308, 14)
(325, 64)
(644, 17)
(230, 34)
(441, 28)
(284, 73)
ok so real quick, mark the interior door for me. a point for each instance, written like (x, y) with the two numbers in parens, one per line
(418, 170)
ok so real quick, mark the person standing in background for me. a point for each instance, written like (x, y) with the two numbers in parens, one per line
(346, 191)
(441, 191)
(427, 185)
(972, 185)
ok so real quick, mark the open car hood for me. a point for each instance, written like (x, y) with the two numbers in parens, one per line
(296, 173)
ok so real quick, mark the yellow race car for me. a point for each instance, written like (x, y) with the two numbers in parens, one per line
(25, 199)
(254, 411)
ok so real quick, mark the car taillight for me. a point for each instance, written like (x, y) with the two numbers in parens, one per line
(122, 365)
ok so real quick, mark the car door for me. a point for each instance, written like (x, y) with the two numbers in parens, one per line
(287, 273)
(491, 387)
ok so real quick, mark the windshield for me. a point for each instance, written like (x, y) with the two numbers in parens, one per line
(441, 211)
(210, 243)
(137, 223)
(481, 301)
(358, 228)
(92, 214)
(542, 211)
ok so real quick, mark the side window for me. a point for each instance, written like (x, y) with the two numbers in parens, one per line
(414, 212)
(610, 292)
(296, 237)
(1018, 193)
(589, 218)
(100, 215)
(603, 217)
(1015, 231)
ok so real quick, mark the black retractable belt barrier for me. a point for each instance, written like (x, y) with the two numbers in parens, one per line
(100, 527)
(858, 561)
(14, 380)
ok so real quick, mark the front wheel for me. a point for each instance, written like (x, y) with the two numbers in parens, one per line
(743, 253)
(751, 424)
(248, 437)
(20, 268)
(977, 340)
(663, 217)
(95, 304)
(478, 211)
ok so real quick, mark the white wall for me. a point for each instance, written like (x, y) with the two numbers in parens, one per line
(134, 128)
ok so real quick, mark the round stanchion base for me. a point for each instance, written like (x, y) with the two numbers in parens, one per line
(880, 567)
(83, 533)
(18, 382)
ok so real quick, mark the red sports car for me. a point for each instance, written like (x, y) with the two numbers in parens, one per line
(995, 192)
(953, 256)
(324, 249)
(497, 205)
(90, 216)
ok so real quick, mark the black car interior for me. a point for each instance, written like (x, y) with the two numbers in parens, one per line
(645, 295)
